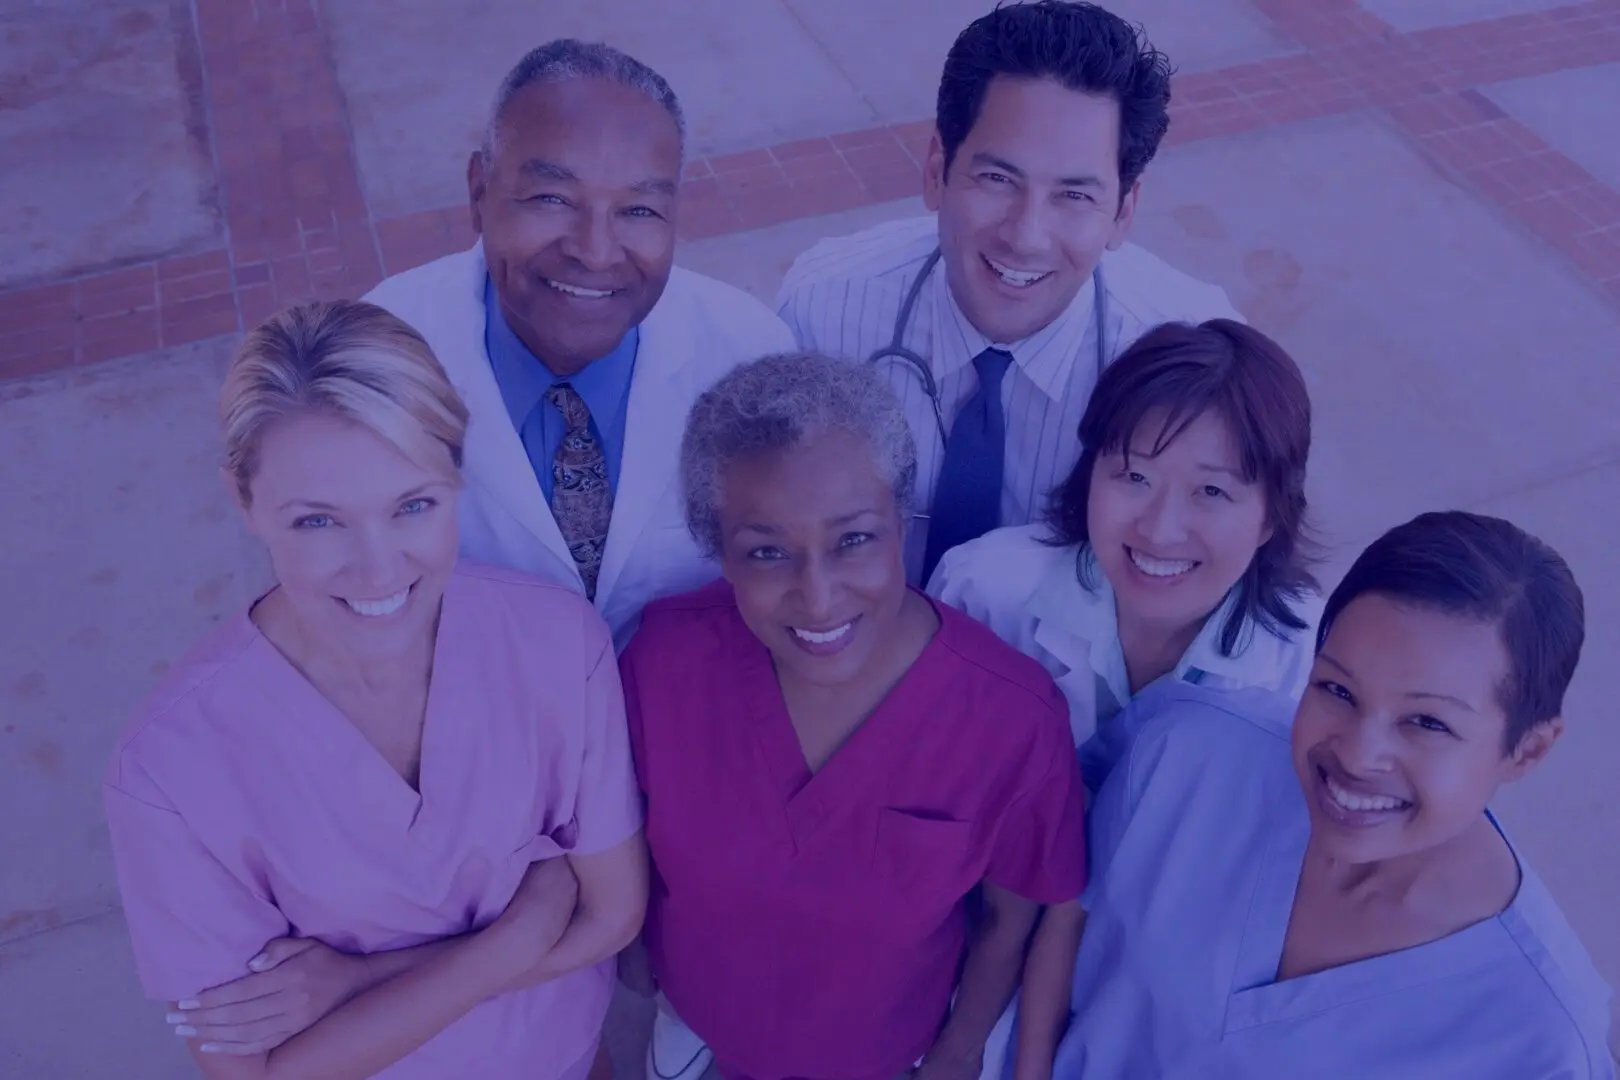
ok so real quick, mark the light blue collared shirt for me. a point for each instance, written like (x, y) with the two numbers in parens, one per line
(523, 380)
(1197, 840)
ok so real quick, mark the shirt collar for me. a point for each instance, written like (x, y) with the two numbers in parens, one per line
(1091, 615)
(1046, 357)
(524, 378)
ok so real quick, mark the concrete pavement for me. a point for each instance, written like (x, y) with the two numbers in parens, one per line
(1418, 198)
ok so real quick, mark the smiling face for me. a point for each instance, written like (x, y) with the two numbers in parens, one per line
(1398, 741)
(1031, 202)
(576, 208)
(362, 551)
(1174, 532)
(812, 546)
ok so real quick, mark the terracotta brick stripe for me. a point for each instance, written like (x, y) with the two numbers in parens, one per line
(298, 226)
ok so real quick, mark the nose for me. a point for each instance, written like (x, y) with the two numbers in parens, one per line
(375, 560)
(1364, 746)
(1163, 520)
(818, 590)
(1025, 228)
(593, 242)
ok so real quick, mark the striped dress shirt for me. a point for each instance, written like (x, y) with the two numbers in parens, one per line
(843, 296)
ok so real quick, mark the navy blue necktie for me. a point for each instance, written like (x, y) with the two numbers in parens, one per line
(967, 499)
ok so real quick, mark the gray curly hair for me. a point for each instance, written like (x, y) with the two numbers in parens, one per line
(782, 401)
(570, 58)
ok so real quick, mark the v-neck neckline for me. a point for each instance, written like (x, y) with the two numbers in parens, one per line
(1257, 997)
(802, 793)
(337, 732)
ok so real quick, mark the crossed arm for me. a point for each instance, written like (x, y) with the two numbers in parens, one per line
(567, 914)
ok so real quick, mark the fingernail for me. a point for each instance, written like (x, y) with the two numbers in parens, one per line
(188, 1004)
(185, 1030)
(209, 1048)
(175, 1018)
(258, 961)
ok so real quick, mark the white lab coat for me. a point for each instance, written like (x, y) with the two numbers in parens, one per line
(699, 330)
(1028, 592)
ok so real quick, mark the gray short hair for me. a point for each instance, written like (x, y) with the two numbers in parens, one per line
(782, 401)
(569, 58)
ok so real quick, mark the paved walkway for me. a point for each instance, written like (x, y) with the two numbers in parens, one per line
(1420, 198)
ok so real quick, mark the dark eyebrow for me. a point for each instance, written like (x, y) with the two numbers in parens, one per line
(1420, 694)
(1224, 471)
(1008, 167)
(541, 169)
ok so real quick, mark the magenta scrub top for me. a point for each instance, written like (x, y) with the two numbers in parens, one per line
(243, 806)
(812, 925)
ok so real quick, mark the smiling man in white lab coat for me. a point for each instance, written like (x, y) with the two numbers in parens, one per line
(576, 343)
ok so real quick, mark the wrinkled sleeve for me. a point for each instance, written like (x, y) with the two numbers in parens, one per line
(608, 809)
(1040, 847)
(193, 924)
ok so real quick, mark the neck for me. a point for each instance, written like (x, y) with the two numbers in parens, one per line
(1152, 650)
(1417, 878)
(329, 659)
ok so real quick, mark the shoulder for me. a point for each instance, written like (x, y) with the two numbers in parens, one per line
(993, 670)
(1151, 291)
(882, 250)
(999, 571)
(1218, 731)
(1574, 994)
(674, 628)
(408, 293)
(537, 610)
(202, 693)
(723, 316)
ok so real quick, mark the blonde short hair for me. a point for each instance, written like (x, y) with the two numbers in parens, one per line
(348, 359)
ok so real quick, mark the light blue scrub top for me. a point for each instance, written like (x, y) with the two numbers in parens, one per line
(1197, 842)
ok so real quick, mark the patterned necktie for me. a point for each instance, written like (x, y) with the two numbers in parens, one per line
(967, 499)
(581, 497)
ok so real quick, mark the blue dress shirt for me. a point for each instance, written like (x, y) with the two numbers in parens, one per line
(523, 380)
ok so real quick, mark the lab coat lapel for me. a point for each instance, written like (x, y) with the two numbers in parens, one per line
(655, 421)
(496, 463)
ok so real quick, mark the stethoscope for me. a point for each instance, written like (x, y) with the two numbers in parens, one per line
(896, 349)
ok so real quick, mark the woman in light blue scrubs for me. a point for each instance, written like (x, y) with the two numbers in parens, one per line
(1322, 892)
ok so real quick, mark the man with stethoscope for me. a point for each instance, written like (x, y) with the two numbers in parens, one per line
(995, 314)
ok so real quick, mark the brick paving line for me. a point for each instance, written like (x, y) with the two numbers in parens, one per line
(299, 226)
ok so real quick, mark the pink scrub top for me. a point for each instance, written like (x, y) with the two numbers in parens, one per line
(812, 925)
(243, 806)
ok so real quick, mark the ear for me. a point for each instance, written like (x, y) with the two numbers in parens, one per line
(1534, 747)
(1125, 218)
(227, 478)
(477, 187)
(934, 173)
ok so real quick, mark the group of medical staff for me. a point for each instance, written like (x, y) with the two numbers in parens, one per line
(925, 678)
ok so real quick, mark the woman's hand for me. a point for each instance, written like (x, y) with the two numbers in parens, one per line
(296, 981)
(533, 921)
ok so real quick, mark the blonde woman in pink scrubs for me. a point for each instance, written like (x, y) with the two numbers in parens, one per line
(414, 767)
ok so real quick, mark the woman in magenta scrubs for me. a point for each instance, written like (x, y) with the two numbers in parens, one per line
(417, 765)
(832, 762)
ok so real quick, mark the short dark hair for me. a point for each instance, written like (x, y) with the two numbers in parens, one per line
(1488, 569)
(1084, 48)
(1255, 386)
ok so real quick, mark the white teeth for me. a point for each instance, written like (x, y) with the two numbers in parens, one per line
(1017, 278)
(376, 608)
(575, 290)
(1360, 803)
(1162, 568)
(821, 639)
